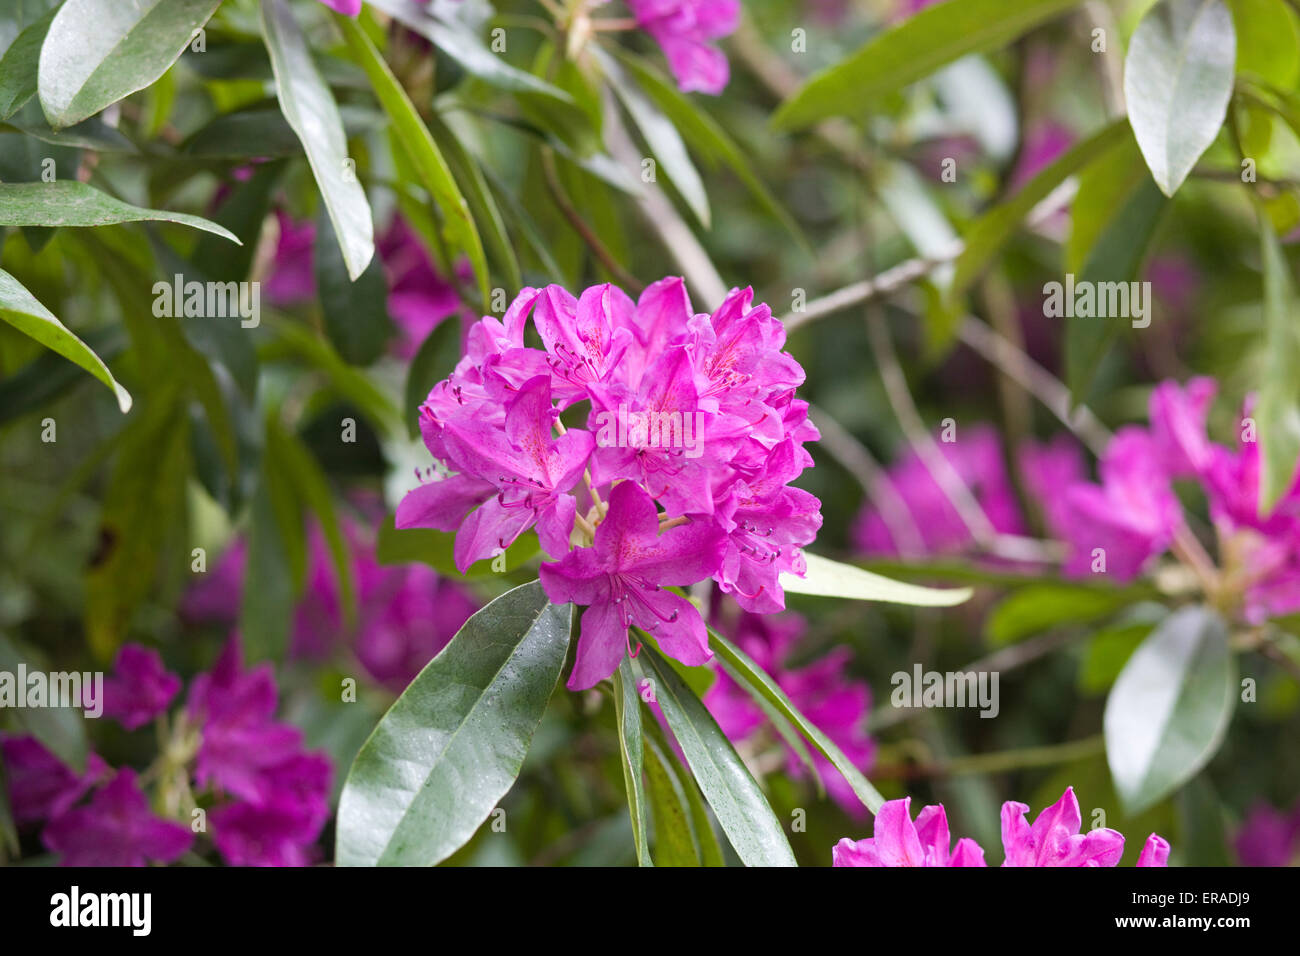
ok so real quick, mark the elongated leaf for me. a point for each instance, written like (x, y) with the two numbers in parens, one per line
(827, 578)
(20, 309)
(98, 51)
(19, 64)
(992, 230)
(706, 137)
(1170, 707)
(1278, 412)
(1177, 82)
(310, 109)
(763, 683)
(674, 844)
(67, 202)
(433, 362)
(1040, 607)
(458, 225)
(915, 48)
(354, 314)
(61, 729)
(261, 131)
(743, 811)
(661, 136)
(453, 743)
(466, 48)
(627, 713)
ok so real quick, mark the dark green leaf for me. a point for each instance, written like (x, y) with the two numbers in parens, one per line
(1278, 411)
(433, 362)
(1040, 607)
(627, 714)
(1170, 707)
(18, 66)
(674, 844)
(355, 314)
(453, 743)
(66, 202)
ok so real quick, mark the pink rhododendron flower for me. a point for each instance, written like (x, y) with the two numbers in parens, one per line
(1178, 417)
(292, 278)
(140, 688)
(821, 691)
(1268, 837)
(41, 786)
(1053, 839)
(696, 412)
(683, 29)
(897, 841)
(976, 457)
(116, 828)
(348, 8)
(621, 581)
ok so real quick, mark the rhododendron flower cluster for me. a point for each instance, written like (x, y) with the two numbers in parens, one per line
(821, 691)
(684, 29)
(1053, 839)
(682, 473)
(266, 798)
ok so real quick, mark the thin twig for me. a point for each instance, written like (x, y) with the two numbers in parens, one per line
(998, 762)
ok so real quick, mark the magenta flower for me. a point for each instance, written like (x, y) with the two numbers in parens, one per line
(621, 581)
(116, 828)
(897, 841)
(697, 411)
(1268, 837)
(140, 688)
(1178, 426)
(419, 297)
(821, 691)
(41, 786)
(292, 278)
(241, 741)
(282, 828)
(349, 8)
(1052, 840)
(683, 29)
(1129, 518)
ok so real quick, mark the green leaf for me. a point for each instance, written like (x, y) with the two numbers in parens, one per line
(451, 746)
(914, 49)
(660, 134)
(464, 46)
(703, 133)
(1170, 707)
(827, 578)
(434, 361)
(309, 107)
(354, 314)
(18, 66)
(1116, 256)
(20, 309)
(674, 844)
(762, 683)
(99, 51)
(266, 611)
(262, 131)
(458, 226)
(1268, 41)
(434, 548)
(627, 714)
(1041, 607)
(1177, 82)
(1278, 412)
(991, 231)
(66, 202)
(742, 810)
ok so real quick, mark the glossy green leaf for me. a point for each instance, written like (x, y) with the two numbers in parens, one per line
(1041, 607)
(66, 202)
(827, 578)
(742, 810)
(631, 750)
(674, 843)
(99, 51)
(911, 50)
(458, 226)
(761, 682)
(1177, 81)
(354, 314)
(660, 134)
(454, 741)
(19, 64)
(1278, 412)
(309, 107)
(466, 48)
(1170, 707)
(19, 308)
(434, 361)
